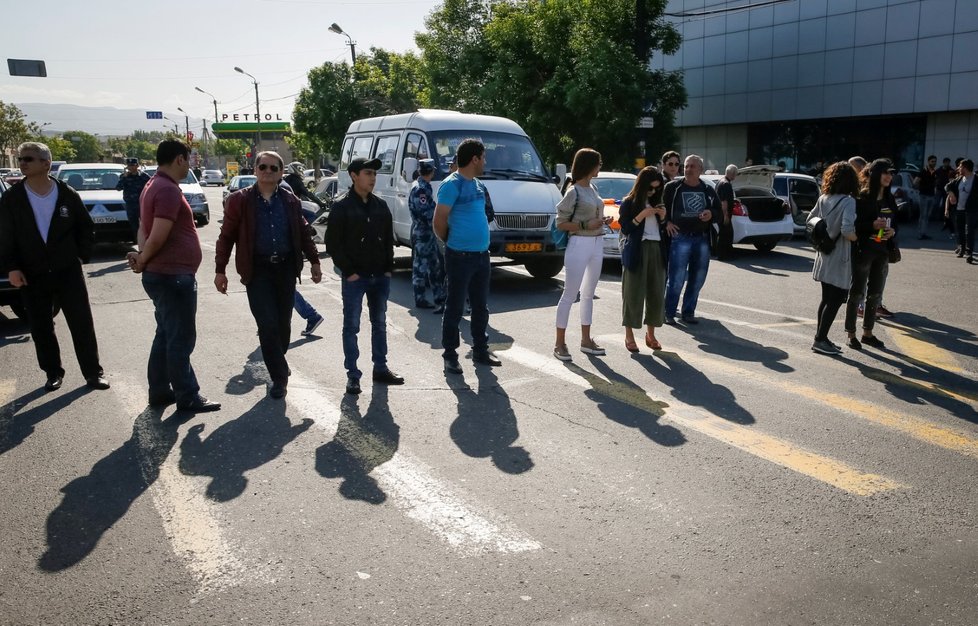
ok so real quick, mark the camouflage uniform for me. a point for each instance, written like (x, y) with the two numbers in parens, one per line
(428, 268)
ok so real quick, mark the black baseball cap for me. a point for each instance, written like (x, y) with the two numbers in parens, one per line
(361, 163)
(132, 161)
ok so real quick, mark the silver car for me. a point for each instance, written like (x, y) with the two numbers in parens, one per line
(211, 177)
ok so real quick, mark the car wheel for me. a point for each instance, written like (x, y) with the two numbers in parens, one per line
(766, 246)
(203, 220)
(546, 267)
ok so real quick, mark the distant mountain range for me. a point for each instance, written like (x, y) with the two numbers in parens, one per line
(105, 121)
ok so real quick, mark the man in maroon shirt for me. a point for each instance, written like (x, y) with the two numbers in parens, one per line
(168, 259)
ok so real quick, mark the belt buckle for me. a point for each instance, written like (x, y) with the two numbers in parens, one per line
(275, 259)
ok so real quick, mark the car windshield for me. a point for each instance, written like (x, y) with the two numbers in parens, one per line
(507, 156)
(245, 181)
(616, 188)
(91, 179)
(189, 179)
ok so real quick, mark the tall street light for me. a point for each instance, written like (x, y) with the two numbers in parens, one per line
(186, 122)
(257, 107)
(176, 129)
(213, 99)
(334, 27)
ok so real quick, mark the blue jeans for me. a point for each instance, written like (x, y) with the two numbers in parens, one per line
(377, 288)
(689, 256)
(466, 274)
(175, 298)
(305, 310)
(271, 296)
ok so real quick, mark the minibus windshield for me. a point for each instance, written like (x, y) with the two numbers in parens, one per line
(508, 157)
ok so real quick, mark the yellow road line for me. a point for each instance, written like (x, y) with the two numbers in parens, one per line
(915, 427)
(8, 387)
(921, 350)
(748, 439)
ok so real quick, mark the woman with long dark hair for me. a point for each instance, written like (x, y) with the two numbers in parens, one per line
(581, 213)
(874, 229)
(837, 207)
(643, 258)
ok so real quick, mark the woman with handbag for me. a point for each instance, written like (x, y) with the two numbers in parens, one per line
(644, 257)
(871, 254)
(581, 214)
(837, 208)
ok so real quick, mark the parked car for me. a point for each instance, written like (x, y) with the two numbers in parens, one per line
(211, 177)
(238, 182)
(327, 189)
(800, 191)
(55, 166)
(13, 176)
(759, 216)
(905, 192)
(612, 187)
(194, 194)
(3, 173)
(95, 183)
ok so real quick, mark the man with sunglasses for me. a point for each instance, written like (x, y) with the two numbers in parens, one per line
(46, 234)
(360, 239)
(265, 222)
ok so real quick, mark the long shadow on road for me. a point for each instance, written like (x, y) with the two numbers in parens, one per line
(16, 427)
(363, 442)
(92, 504)
(716, 339)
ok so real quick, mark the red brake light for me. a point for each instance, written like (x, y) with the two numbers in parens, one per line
(739, 209)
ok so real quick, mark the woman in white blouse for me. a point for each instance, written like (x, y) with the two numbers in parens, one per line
(581, 214)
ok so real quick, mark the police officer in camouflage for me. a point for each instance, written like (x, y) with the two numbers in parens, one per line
(429, 261)
(131, 185)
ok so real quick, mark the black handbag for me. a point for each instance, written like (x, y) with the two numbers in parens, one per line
(893, 251)
(818, 233)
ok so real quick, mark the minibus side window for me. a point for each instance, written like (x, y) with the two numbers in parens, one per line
(345, 157)
(361, 147)
(386, 151)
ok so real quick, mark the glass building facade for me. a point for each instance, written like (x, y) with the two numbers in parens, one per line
(809, 81)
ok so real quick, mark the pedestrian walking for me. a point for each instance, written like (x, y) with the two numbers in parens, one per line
(168, 258)
(644, 258)
(295, 184)
(131, 185)
(964, 197)
(428, 263)
(360, 238)
(692, 207)
(837, 207)
(460, 221)
(871, 256)
(265, 222)
(580, 213)
(46, 234)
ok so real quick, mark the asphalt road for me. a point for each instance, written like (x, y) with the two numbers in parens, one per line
(733, 478)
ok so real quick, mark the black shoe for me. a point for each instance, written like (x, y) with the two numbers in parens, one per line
(97, 382)
(278, 390)
(388, 377)
(689, 319)
(200, 404)
(671, 321)
(853, 343)
(486, 358)
(959, 252)
(452, 366)
(971, 260)
(353, 386)
(164, 399)
(424, 304)
(874, 341)
(53, 383)
(438, 310)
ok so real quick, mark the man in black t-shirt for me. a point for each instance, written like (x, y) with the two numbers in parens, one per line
(726, 195)
(926, 185)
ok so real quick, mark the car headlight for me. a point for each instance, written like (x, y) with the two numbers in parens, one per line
(196, 198)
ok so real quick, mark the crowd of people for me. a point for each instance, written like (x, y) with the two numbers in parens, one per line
(666, 219)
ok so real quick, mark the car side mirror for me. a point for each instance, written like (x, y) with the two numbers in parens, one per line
(408, 167)
(561, 171)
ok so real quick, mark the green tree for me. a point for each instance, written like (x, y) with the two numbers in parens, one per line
(61, 148)
(572, 74)
(230, 147)
(14, 128)
(87, 147)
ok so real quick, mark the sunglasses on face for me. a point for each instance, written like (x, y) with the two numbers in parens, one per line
(673, 163)
(266, 166)
(653, 189)
(27, 159)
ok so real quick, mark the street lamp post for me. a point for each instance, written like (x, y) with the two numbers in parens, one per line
(186, 122)
(334, 27)
(213, 99)
(257, 107)
(176, 129)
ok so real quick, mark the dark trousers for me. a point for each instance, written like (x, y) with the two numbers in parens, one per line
(832, 300)
(466, 273)
(377, 289)
(67, 288)
(725, 241)
(868, 278)
(965, 224)
(174, 298)
(132, 212)
(271, 295)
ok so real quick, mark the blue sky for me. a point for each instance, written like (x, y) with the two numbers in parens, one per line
(150, 55)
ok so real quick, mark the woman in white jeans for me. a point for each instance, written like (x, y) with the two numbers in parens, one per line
(581, 214)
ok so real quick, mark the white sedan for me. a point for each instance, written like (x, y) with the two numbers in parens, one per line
(211, 177)
(759, 216)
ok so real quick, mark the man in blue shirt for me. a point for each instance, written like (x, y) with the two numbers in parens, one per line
(460, 221)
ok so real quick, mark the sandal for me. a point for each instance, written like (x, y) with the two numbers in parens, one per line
(652, 342)
(631, 346)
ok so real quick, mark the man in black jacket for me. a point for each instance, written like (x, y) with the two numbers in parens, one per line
(360, 238)
(964, 198)
(46, 234)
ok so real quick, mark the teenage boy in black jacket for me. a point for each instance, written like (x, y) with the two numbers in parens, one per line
(360, 239)
(46, 234)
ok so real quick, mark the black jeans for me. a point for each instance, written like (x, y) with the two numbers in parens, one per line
(271, 295)
(174, 298)
(965, 224)
(868, 278)
(67, 288)
(832, 299)
(466, 273)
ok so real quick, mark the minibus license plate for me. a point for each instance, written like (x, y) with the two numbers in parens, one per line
(104, 220)
(524, 247)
